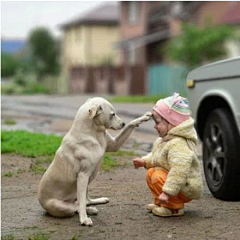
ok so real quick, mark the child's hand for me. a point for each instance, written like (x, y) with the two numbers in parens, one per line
(163, 197)
(138, 162)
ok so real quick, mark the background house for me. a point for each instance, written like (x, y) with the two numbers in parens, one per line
(146, 27)
(131, 38)
(88, 42)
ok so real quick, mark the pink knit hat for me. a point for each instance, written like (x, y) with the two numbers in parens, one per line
(175, 109)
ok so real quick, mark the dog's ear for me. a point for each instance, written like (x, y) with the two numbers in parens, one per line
(95, 110)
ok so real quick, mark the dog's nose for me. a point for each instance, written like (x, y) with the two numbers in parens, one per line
(123, 124)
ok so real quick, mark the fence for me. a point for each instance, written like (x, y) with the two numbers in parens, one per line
(165, 79)
(121, 80)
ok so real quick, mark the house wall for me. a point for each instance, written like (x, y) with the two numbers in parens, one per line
(130, 30)
(210, 10)
(99, 44)
(87, 45)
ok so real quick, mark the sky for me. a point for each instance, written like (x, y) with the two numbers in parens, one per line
(18, 17)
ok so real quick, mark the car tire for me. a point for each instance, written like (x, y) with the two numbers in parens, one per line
(221, 155)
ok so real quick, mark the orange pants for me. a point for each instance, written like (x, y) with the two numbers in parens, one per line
(155, 180)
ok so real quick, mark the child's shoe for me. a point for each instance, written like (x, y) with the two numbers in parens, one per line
(151, 206)
(166, 212)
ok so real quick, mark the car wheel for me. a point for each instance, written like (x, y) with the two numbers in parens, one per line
(221, 155)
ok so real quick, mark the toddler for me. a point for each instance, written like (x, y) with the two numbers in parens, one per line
(173, 169)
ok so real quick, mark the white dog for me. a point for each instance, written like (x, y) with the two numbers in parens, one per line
(63, 188)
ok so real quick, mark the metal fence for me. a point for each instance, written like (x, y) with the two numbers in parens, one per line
(166, 79)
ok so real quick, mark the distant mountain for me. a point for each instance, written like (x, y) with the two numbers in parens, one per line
(12, 46)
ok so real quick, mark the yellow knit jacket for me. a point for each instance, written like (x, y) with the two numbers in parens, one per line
(176, 153)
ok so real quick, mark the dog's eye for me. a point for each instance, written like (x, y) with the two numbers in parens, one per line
(112, 115)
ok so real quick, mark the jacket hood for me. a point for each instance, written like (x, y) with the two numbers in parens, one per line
(185, 130)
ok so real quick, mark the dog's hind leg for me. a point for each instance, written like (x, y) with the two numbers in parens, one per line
(59, 208)
(90, 210)
(96, 201)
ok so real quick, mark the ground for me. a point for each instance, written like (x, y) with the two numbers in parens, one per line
(124, 217)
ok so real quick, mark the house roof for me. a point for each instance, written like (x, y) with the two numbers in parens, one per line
(143, 40)
(232, 16)
(107, 14)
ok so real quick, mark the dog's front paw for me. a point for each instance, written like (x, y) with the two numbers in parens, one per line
(142, 119)
(147, 116)
(86, 222)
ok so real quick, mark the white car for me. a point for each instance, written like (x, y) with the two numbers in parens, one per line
(214, 97)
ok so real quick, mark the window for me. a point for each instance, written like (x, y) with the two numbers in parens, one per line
(133, 12)
(132, 55)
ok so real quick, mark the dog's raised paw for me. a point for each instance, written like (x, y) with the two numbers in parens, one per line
(87, 222)
(147, 115)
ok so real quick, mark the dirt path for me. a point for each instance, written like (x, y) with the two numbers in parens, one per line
(124, 217)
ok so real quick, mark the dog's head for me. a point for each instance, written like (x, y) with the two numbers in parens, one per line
(103, 114)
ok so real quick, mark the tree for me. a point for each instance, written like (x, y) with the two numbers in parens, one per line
(44, 52)
(197, 45)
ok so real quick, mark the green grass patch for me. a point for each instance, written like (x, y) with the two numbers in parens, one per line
(44, 160)
(109, 163)
(43, 148)
(37, 169)
(76, 237)
(32, 227)
(9, 122)
(30, 88)
(7, 237)
(121, 153)
(39, 236)
(29, 144)
(8, 174)
(19, 171)
(136, 99)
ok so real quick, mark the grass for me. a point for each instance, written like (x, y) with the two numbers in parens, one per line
(39, 236)
(76, 237)
(121, 153)
(30, 88)
(19, 171)
(7, 237)
(136, 99)
(43, 147)
(9, 122)
(8, 174)
(29, 144)
(109, 163)
(47, 159)
(37, 169)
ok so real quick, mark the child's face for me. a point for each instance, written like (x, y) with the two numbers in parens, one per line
(161, 125)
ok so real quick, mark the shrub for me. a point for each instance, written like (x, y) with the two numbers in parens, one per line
(9, 65)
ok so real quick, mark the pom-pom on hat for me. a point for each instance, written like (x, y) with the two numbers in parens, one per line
(175, 109)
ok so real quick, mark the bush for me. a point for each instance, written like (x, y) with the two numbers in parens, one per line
(24, 84)
(197, 45)
(20, 79)
(9, 65)
(34, 87)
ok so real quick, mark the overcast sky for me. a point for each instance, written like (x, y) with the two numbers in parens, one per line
(18, 17)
